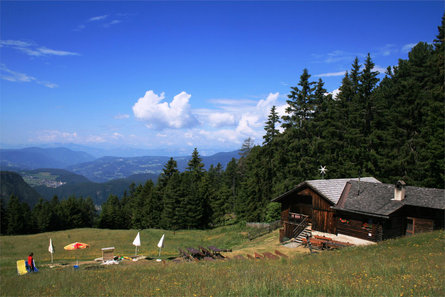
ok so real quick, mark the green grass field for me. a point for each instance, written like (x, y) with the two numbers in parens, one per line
(411, 266)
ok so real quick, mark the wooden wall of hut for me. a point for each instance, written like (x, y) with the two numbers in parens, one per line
(395, 226)
(436, 215)
(322, 214)
(360, 227)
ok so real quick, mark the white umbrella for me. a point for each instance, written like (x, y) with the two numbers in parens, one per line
(161, 245)
(137, 242)
(51, 249)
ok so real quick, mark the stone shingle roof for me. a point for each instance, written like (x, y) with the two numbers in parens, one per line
(330, 189)
(377, 198)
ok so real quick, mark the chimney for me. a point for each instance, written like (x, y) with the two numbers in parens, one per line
(399, 190)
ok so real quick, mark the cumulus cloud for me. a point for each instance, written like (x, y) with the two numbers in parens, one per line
(334, 93)
(33, 49)
(220, 119)
(226, 124)
(379, 69)
(249, 119)
(176, 114)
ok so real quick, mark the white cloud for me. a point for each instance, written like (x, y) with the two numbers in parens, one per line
(95, 139)
(218, 119)
(117, 135)
(103, 21)
(407, 47)
(56, 136)
(334, 93)
(249, 118)
(48, 51)
(32, 49)
(121, 116)
(387, 50)
(337, 56)
(9, 75)
(17, 43)
(248, 124)
(329, 74)
(98, 18)
(113, 22)
(48, 84)
(379, 69)
(13, 76)
(155, 113)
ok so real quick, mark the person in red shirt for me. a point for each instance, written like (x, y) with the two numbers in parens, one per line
(31, 262)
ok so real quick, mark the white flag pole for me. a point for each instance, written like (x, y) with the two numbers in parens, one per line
(51, 249)
(137, 242)
(160, 246)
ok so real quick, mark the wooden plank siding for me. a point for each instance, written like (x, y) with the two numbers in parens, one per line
(322, 214)
(360, 228)
(309, 203)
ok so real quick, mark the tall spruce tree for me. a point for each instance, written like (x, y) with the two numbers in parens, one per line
(300, 102)
(195, 164)
(271, 127)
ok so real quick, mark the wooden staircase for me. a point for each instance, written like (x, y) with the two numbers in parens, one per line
(306, 231)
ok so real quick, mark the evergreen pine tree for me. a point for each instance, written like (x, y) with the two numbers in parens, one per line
(18, 217)
(271, 127)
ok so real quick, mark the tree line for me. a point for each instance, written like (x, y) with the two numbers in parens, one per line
(18, 218)
(391, 129)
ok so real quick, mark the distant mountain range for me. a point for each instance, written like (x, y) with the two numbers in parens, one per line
(66, 172)
(109, 168)
(97, 170)
(35, 157)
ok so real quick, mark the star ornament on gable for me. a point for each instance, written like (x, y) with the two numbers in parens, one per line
(323, 170)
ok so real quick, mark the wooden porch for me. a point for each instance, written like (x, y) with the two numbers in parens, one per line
(293, 225)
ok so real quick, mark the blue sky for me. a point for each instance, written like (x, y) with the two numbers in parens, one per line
(171, 76)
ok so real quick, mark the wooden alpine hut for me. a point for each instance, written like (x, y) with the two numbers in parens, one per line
(311, 203)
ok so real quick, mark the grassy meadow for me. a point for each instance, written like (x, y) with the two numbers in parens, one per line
(410, 266)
